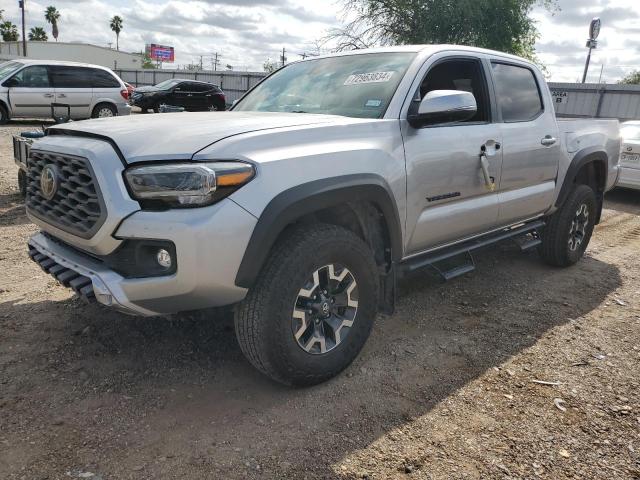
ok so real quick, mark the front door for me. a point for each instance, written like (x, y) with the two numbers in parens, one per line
(448, 197)
(32, 94)
(180, 96)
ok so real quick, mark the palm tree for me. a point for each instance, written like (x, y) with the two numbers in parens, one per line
(116, 26)
(9, 32)
(37, 34)
(52, 15)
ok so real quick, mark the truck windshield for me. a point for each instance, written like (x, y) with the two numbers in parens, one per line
(352, 86)
(630, 132)
(7, 68)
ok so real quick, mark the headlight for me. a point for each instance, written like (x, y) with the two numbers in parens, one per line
(179, 185)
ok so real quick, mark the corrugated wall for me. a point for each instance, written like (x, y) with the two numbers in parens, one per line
(234, 84)
(596, 100)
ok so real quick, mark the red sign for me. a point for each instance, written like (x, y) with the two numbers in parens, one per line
(160, 53)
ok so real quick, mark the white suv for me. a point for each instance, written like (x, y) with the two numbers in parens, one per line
(29, 88)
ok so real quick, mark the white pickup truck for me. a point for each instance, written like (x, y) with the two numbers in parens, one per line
(323, 185)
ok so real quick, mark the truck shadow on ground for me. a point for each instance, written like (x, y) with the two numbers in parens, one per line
(180, 389)
(623, 200)
(12, 210)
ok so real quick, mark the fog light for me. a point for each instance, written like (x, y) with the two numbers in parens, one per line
(164, 258)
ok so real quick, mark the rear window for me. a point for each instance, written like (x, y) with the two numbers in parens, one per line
(519, 97)
(71, 77)
(103, 79)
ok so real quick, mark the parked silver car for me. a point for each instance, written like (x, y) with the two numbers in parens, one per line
(630, 155)
(29, 88)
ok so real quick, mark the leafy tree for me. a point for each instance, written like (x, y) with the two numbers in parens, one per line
(147, 63)
(503, 25)
(116, 26)
(9, 32)
(52, 15)
(270, 66)
(37, 34)
(632, 78)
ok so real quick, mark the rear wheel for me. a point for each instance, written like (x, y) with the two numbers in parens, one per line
(569, 229)
(104, 110)
(312, 307)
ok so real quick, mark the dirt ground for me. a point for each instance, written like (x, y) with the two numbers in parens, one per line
(444, 389)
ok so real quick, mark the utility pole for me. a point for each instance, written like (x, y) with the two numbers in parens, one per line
(200, 62)
(215, 62)
(24, 37)
(594, 31)
(283, 58)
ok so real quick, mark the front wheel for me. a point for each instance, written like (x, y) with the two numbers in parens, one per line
(312, 307)
(569, 229)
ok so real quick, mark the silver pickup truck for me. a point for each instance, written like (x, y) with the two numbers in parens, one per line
(323, 185)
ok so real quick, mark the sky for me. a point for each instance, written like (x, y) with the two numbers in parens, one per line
(245, 33)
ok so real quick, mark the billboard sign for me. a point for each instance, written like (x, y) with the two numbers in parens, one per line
(160, 53)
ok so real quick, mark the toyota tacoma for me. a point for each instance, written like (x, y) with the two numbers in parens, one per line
(325, 184)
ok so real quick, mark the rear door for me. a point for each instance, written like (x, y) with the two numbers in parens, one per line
(447, 196)
(33, 94)
(73, 87)
(531, 147)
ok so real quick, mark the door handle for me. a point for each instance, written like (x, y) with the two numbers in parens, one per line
(62, 95)
(548, 140)
(48, 95)
(484, 166)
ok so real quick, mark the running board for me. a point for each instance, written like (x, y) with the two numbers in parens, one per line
(431, 259)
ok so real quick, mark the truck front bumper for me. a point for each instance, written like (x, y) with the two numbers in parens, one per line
(209, 245)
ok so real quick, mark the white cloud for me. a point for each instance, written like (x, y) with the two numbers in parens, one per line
(246, 32)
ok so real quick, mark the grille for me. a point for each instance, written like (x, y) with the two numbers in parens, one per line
(77, 206)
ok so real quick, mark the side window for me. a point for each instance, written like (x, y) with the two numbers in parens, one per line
(460, 74)
(518, 94)
(103, 79)
(182, 87)
(200, 87)
(35, 76)
(71, 77)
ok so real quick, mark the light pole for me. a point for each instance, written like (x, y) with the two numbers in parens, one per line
(24, 38)
(594, 31)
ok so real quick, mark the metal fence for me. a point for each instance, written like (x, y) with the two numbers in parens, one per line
(592, 100)
(234, 84)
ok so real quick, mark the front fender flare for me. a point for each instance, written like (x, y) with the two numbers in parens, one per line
(296, 202)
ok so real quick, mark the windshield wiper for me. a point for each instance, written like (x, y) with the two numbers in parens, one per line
(298, 111)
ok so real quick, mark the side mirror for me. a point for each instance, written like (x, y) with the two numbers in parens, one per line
(12, 82)
(443, 106)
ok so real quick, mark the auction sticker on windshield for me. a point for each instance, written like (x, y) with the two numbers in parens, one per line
(373, 77)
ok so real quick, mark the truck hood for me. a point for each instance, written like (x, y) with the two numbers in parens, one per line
(176, 136)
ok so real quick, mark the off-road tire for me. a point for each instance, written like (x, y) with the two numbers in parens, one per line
(4, 115)
(263, 320)
(555, 249)
(103, 106)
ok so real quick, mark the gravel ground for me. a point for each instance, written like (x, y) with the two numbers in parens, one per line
(444, 389)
